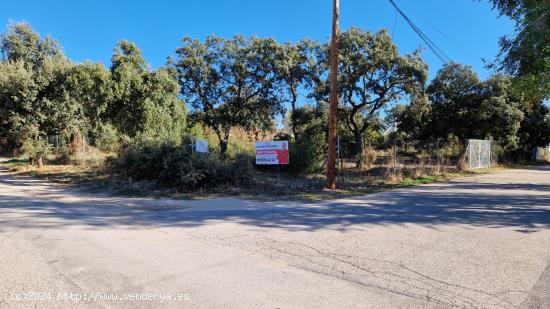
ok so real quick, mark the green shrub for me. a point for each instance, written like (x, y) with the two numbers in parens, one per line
(177, 166)
(142, 160)
(63, 155)
(306, 156)
(309, 149)
(107, 138)
(36, 150)
(242, 169)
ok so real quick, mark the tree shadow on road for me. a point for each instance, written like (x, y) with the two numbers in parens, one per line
(525, 207)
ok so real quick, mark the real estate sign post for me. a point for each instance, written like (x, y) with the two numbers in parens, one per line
(272, 153)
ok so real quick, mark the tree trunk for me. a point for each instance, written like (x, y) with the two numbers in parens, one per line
(360, 148)
(295, 132)
(223, 147)
(293, 110)
(36, 161)
(76, 144)
(359, 143)
(223, 137)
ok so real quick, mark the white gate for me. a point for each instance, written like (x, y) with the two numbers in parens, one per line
(542, 154)
(479, 153)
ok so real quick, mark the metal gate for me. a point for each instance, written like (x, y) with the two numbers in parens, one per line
(479, 153)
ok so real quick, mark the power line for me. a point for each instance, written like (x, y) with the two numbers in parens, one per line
(394, 24)
(431, 45)
(441, 32)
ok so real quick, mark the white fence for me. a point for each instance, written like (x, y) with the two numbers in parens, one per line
(479, 153)
(542, 154)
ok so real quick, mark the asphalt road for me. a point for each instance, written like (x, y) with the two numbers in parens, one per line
(476, 242)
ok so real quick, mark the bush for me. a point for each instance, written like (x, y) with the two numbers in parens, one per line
(309, 149)
(176, 166)
(63, 156)
(90, 158)
(107, 138)
(306, 156)
(242, 169)
(142, 160)
(36, 150)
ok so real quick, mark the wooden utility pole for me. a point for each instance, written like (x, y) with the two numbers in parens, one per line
(331, 162)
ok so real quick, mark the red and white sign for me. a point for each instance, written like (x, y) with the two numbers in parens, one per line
(272, 153)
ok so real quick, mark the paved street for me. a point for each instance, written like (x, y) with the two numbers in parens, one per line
(476, 242)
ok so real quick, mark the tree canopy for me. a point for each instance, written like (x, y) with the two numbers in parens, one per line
(229, 83)
(256, 83)
(32, 74)
(371, 75)
(42, 93)
(526, 53)
(459, 104)
(295, 67)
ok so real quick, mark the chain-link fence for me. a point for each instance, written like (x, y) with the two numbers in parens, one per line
(395, 161)
(480, 153)
(542, 154)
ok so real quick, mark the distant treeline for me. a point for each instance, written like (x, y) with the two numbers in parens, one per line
(221, 84)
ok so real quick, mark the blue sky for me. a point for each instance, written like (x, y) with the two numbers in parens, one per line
(88, 30)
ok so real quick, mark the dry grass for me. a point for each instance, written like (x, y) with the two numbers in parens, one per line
(267, 185)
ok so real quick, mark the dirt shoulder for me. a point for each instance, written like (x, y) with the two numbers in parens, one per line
(267, 185)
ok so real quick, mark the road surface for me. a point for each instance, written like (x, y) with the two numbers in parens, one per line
(475, 242)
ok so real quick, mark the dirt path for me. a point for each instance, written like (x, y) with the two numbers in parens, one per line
(476, 242)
